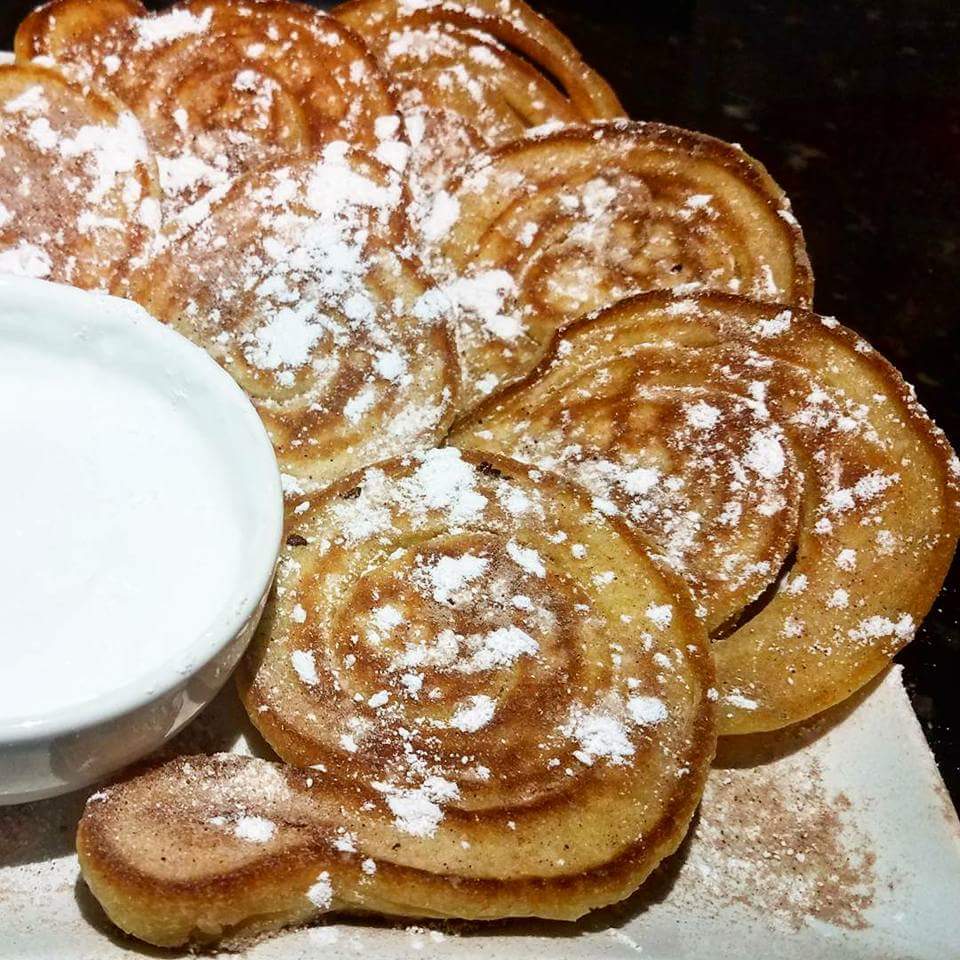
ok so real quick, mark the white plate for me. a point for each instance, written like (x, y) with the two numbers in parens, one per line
(841, 844)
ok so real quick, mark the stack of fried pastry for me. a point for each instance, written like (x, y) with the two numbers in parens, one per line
(576, 481)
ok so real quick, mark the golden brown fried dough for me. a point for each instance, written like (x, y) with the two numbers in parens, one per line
(220, 86)
(296, 282)
(473, 75)
(69, 31)
(538, 232)
(772, 456)
(504, 701)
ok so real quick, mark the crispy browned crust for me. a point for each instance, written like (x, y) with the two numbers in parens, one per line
(579, 217)
(267, 894)
(473, 75)
(78, 34)
(289, 738)
(189, 881)
(339, 53)
(839, 650)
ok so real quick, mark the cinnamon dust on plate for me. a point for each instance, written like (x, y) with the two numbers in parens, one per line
(778, 844)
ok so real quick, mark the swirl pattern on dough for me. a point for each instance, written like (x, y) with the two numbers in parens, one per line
(219, 86)
(778, 463)
(298, 285)
(473, 75)
(545, 229)
(502, 701)
(78, 188)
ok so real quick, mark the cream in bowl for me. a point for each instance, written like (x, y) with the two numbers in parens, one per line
(141, 513)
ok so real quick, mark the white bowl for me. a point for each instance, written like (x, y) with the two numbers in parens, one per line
(80, 737)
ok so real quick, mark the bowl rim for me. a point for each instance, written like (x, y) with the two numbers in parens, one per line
(43, 300)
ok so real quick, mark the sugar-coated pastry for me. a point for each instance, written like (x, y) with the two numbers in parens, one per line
(500, 707)
(470, 75)
(296, 281)
(220, 86)
(777, 463)
(536, 233)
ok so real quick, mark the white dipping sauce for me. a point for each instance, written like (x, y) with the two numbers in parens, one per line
(119, 535)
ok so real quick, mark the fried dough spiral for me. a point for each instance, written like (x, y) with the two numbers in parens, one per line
(538, 232)
(779, 465)
(504, 703)
(78, 188)
(472, 75)
(297, 285)
(220, 86)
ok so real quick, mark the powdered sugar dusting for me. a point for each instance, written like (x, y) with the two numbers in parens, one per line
(77, 185)
(175, 25)
(301, 293)
(450, 574)
(442, 482)
(647, 711)
(600, 734)
(320, 893)
(304, 665)
(527, 558)
(255, 829)
(483, 296)
(477, 712)
(418, 810)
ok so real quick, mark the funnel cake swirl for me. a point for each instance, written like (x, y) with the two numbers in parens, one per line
(78, 190)
(476, 74)
(772, 456)
(297, 285)
(540, 231)
(220, 86)
(504, 701)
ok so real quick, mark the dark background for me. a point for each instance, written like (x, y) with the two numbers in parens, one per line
(855, 109)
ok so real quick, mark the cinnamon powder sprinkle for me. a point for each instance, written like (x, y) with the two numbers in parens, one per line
(780, 846)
